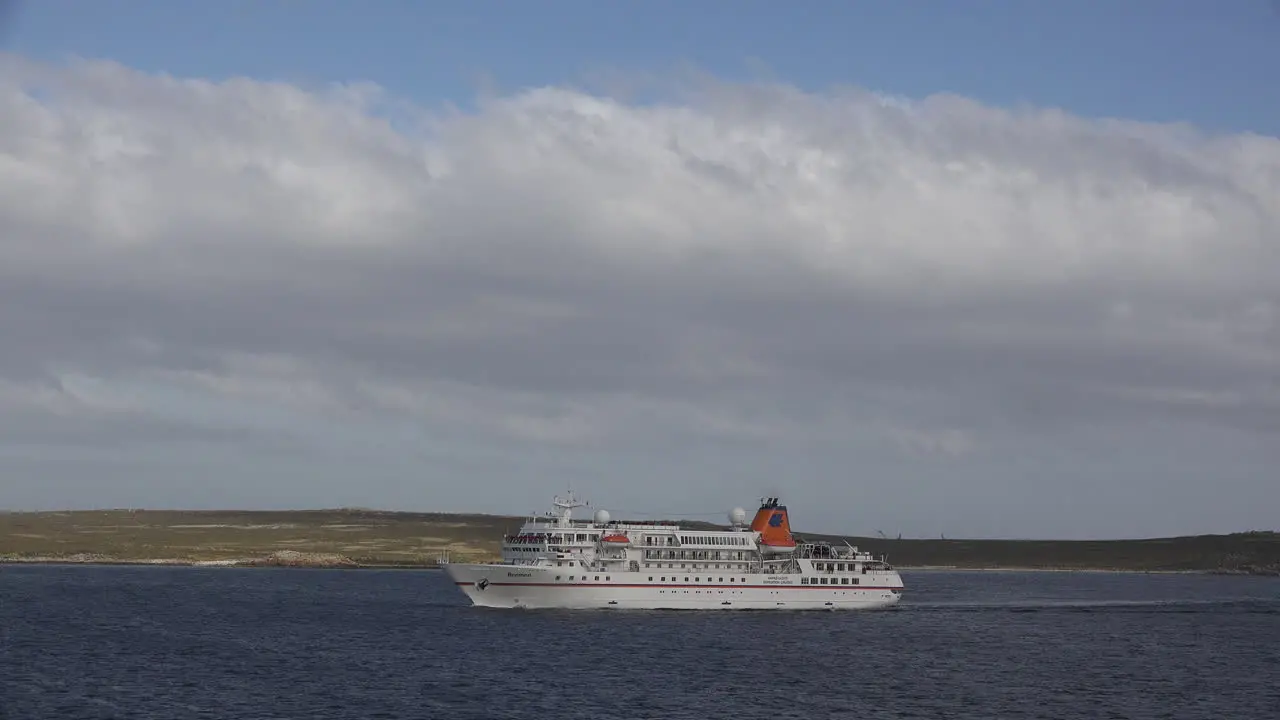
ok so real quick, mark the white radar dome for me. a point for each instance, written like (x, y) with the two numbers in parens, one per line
(738, 516)
(602, 517)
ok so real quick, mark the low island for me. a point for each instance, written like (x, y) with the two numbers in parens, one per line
(360, 538)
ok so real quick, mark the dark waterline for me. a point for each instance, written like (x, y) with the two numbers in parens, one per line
(166, 643)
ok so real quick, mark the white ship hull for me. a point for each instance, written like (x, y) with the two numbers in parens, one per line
(511, 586)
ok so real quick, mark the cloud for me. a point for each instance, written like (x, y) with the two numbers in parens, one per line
(740, 271)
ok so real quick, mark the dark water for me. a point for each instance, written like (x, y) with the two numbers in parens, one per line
(174, 643)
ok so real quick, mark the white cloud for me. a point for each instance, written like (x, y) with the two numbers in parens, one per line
(824, 277)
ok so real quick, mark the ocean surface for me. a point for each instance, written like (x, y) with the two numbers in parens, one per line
(155, 643)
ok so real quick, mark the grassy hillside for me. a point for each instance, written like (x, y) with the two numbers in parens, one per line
(376, 538)
(368, 537)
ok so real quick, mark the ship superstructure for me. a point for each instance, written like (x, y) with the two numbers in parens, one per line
(558, 562)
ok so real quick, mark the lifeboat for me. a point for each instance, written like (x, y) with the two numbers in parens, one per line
(775, 547)
(774, 526)
(616, 539)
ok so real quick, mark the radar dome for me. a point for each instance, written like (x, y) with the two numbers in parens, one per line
(602, 517)
(738, 516)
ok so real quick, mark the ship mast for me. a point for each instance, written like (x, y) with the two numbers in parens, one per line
(565, 506)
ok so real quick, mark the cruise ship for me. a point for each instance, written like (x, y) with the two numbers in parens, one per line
(558, 562)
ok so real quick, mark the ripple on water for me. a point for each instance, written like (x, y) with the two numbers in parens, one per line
(172, 643)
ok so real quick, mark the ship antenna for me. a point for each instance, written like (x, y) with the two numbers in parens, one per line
(566, 506)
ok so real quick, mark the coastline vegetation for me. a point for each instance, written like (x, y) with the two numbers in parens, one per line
(372, 538)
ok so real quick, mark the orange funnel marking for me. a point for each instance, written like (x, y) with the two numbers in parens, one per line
(773, 524)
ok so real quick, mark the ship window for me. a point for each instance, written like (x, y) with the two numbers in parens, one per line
(650, 578)
(596, 577)
(664, 578)
(571, 577)
(804, 581)
(570, 563)
(844, 581)
(855, 581)
(719, 579)
(697, 579)
(557, 577)
(686, 579)
(606, 578)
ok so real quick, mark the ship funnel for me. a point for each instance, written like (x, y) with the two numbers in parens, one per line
(774, 526)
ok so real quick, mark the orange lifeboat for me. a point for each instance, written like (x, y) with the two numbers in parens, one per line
(616, 539)
(774, 526)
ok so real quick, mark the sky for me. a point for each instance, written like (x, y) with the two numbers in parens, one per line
(962, 268)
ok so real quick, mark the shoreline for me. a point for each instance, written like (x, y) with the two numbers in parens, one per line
(279, 559)
(336, 563)
(959, 568)
(201, 565)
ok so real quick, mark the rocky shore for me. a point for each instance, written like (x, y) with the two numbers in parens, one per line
(281, 558)
(1260, 570)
